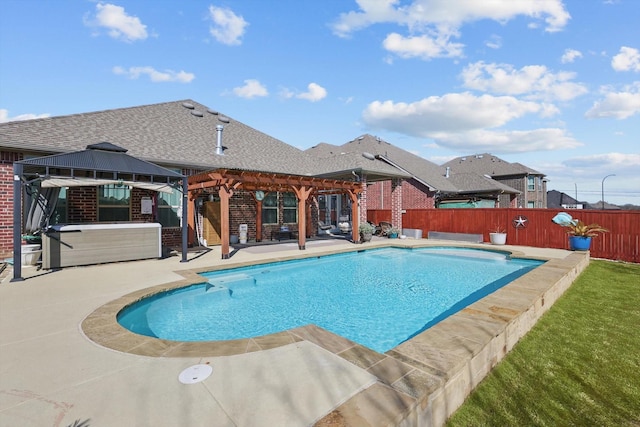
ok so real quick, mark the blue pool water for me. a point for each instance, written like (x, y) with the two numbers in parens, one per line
(378, 298)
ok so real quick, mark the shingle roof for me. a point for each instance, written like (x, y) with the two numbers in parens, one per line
(424, 170)
(181, 133)
(335, 162)
(474, 183)
(488, 164)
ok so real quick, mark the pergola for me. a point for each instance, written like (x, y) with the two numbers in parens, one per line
(226, 181)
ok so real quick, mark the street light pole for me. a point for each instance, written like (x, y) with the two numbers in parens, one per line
(613, 174)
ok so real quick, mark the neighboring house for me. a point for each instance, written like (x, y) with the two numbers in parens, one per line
(559, 200)
(182, 136)
(531, 184)
(425, 185)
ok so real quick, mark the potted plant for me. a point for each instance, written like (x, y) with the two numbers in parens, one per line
(580, 234)
(366, 231)
(498, 236)
(393, 233)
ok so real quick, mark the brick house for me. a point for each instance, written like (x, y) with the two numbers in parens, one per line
(425, 186)
(531, 184)
(190, 139)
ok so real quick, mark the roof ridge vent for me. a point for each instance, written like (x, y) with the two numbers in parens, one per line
(197, 113)
(188, 105)
(223, 119)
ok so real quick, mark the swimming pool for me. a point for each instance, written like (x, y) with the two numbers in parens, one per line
(378, 298)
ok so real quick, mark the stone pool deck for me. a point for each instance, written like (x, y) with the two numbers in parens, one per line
(63, 358)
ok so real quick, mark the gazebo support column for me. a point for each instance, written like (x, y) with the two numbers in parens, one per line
(17, 222)
(187, 218)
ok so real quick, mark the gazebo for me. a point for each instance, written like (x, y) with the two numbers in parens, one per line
(99, 164)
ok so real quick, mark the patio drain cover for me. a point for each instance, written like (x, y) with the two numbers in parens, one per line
(195, 374)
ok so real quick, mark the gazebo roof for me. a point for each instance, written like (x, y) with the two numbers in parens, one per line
(103, 160)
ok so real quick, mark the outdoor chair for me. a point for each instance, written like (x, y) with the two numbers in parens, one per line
(324, 228)
(384, 228)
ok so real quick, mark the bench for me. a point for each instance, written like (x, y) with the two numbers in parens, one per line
(284, 235)
(461, 237)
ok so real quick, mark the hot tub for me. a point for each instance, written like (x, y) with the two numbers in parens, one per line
(85, 244)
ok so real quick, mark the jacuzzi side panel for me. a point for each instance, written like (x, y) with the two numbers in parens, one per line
(72, 245)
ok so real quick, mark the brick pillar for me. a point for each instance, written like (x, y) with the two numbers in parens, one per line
(363, 200)
(6, 202)
(396, 203)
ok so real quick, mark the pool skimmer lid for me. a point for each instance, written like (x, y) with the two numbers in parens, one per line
(195, 374)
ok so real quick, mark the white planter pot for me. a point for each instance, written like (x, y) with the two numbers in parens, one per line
(498, 238)
(30, 254)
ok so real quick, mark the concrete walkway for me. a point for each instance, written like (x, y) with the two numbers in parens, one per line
(51, 374)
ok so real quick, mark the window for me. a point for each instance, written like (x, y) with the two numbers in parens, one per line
(270, 209)
(59, 215)
(114, 202)
(531, 183)
(531, 205)
(169, 208)
(289, 208)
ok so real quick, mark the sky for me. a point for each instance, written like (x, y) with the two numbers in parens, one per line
(551, 84)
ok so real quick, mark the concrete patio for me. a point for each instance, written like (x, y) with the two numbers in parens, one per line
(52, 374)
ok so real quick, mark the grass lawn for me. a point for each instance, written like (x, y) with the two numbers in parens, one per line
(579, 365)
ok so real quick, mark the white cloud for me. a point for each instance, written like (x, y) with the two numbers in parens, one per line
(627, 60)
(507, 141)
(119, 25)
(228, 27)
(618, 105)
(4, 116)
(450, 13)
(494, 42)
(314, 93)
(433, 23)
(453, 112)
(424, 47)
(534, 81)
(570, 55)
(617, 162)
(466, 122)
(252, 88)
(155, 75)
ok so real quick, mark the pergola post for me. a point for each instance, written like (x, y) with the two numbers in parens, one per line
(302, 194)
(225, 194)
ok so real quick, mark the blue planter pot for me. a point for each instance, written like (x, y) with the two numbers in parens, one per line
(579, 243)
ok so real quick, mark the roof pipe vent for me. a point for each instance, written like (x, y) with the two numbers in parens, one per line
(219, 150)
(447, 172)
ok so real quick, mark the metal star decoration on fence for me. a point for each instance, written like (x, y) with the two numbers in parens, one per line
(520, 221)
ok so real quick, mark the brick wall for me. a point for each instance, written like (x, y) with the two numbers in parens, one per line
(242, 210)
(417, 196)
(82, 205)
(6, 202)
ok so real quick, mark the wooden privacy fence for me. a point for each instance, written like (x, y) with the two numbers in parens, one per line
(622, 242)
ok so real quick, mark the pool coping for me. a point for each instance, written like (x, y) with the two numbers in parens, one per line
(423, 379)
